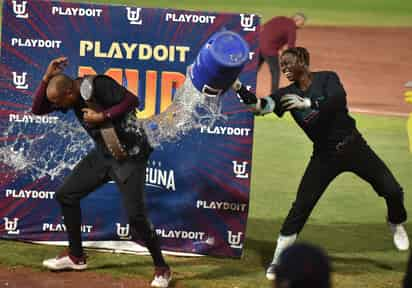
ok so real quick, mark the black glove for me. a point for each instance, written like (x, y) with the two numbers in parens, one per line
(244, 95)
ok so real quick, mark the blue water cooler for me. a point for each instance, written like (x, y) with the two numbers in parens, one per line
(198, 103)
(219, 62)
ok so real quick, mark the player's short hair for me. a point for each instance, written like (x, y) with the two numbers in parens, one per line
(60, 83)
(301, 54)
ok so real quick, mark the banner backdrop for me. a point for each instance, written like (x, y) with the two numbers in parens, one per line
(197, 189)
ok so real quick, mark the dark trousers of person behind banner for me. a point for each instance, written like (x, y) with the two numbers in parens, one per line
(92, 172)
(273, 62)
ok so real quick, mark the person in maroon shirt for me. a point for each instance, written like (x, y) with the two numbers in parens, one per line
(114, 105)
(276, 35)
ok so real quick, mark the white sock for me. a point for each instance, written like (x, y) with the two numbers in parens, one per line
(283, 242)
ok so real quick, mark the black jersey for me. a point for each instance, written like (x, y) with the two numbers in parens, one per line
(109, 93)
(327, 122)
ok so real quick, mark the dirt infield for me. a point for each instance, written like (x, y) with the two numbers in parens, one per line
(28, 278)
(373, 63)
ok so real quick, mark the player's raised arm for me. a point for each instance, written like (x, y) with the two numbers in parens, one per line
(40, 104)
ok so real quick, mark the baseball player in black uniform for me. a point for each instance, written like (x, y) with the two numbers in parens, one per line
(107, 105)
(317, 102)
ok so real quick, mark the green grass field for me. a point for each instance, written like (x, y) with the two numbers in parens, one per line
(349, 221)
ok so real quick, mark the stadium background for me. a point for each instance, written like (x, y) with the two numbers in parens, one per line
(349, 221)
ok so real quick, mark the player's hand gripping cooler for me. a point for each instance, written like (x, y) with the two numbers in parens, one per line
(198, 102)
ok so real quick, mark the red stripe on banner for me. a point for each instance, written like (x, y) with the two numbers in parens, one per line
(236, 111)
(6, 176)
(4, 71)
(229, 177)
(13, 138)
(17, 105)
(8, 112)
(73, 20)
(39, 9)
(8, 86)
(246, 122)
(107, 21)
(14, 25)
(235, 147)
(33, 184)
(20, 55)
(37, 29)
(223, 185)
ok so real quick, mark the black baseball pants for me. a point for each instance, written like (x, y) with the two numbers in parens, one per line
(356, 157)
(90, 173)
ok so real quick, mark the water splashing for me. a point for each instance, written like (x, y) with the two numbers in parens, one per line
(189, 110)
(33, 149)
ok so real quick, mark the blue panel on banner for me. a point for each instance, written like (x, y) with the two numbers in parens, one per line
(197, 190)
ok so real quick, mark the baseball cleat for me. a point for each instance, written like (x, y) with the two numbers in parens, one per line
(65, 261)
(283, 242)
(271, 272)
(162, 277)
(400, 237)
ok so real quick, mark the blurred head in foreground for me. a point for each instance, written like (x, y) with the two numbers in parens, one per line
(303, 265)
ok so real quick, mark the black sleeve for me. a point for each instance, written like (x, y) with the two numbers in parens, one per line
(334, 98)
(279, 111)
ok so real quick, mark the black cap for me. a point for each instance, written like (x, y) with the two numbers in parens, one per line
(303, 265)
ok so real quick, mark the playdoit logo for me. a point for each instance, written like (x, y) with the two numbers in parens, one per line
(408, 99)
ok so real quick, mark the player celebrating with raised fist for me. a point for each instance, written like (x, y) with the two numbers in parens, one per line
(317, 102)
(102, 106)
